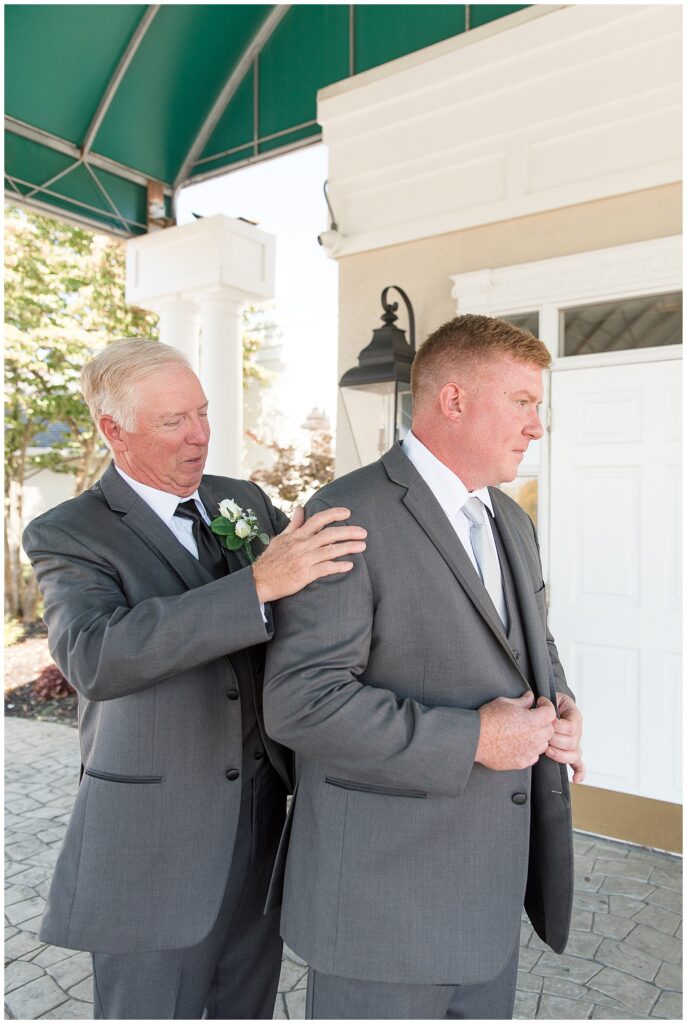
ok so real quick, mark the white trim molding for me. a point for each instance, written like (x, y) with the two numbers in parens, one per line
(575, 104)
(664, 354)
(641, 268)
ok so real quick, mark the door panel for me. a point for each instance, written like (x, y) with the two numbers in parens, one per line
(615, 567)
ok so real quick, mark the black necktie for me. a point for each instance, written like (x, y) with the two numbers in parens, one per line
(210, 552)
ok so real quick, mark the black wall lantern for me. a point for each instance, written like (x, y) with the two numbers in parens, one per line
(376, 392)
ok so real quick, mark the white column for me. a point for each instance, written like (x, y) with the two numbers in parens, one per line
(197, 277)
(221, 374)
(180, 327)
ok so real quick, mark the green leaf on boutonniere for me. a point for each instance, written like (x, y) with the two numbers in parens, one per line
(222, 527)
(264, 539)
(233, 543)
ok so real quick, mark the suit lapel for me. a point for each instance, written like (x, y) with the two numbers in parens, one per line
(140, 518)
(533, 627)
(431, 518)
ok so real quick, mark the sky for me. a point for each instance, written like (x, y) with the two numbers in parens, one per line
(284, 196)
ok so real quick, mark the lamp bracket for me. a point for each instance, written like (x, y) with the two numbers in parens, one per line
(390, 308)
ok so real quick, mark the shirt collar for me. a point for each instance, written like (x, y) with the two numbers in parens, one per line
(447, 488)
(162, 503)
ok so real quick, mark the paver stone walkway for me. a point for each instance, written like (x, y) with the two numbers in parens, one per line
(623, 960)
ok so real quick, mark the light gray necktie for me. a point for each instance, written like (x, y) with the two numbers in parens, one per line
(487, 560)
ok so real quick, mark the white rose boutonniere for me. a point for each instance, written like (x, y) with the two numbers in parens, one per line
(238, 527)
(229, 509)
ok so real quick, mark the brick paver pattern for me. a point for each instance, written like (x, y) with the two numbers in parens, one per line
(623, 960)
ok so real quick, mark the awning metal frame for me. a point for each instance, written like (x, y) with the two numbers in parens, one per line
(85, 156)
(113, 84)
(311, 140)
(254, 143)
(105, 163)
(55, 177)
(72, 216)
(195, 166)
(108, 198)
(248, 59)
(50, 209)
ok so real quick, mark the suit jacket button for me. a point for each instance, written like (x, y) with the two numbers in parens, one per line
(232, 774)
(519, 798)
(232, 695)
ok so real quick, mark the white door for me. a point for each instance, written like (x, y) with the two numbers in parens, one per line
(615, 567)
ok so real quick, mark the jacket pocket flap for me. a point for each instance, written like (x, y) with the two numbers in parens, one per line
(363, 787)
(135, 779)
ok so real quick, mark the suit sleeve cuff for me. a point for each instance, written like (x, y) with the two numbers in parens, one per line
(256, 619)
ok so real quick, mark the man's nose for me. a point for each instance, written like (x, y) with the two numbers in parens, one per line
(534, 428)
(199, 432)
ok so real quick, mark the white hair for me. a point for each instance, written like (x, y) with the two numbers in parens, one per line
(108, 381)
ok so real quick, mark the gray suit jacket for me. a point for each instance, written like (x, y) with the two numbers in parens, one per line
(143, 632)
(407, 862)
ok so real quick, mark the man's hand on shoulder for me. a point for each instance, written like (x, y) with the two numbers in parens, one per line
(513, 734)
(564, 745)
(306, 551)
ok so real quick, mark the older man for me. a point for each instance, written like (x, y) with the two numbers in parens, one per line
(161, 630)
(429, 712)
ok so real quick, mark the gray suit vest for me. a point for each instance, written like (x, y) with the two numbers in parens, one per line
(248, 666)
(516, 634)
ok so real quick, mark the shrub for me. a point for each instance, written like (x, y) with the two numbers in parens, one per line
(51, 685)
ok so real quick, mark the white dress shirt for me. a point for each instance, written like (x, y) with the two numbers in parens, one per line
(452, 494)
(164, 505)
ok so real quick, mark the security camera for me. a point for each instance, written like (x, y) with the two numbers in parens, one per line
(331, 241)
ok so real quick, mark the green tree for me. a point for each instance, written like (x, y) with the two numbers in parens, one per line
(64, 301)
(258, 328)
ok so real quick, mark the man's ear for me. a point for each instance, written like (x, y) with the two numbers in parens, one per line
(112, 432)
(452, 401)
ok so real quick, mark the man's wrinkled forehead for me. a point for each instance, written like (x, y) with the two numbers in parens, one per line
(171, 390)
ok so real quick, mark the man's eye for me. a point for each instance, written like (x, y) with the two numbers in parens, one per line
(173, 423)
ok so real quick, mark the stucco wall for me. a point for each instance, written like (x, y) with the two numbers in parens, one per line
(423, 268)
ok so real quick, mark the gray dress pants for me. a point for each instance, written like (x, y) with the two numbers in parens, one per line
(233, 973)
(330, 997)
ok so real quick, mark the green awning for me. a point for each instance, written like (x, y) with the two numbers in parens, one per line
(103, 99)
